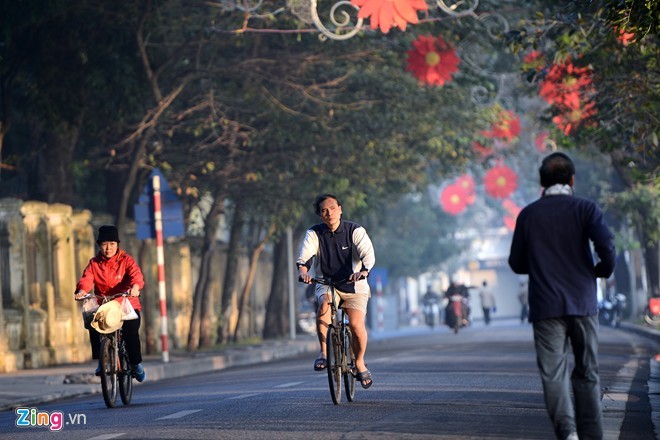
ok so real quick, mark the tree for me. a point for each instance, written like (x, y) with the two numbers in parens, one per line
(616, 43)
(60, 72)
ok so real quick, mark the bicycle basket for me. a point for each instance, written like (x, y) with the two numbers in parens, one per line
(89, 308)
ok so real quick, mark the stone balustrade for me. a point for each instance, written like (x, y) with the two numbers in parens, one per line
(43, 250)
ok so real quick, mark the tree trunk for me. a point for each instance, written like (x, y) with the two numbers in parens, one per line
(247, 288)
(128, 182)
(277, 310)
(229, 294)
(201, 295)
(651, 257)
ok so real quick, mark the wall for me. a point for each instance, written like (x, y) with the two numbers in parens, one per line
(44, 249)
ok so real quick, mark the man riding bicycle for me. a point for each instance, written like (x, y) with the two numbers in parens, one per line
(110, 272)
(339, 250)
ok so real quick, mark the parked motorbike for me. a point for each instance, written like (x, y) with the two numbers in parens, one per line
(431, 311)
(456, 314)
(611, 308)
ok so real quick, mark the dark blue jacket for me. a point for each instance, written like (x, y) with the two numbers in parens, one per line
(551, 244)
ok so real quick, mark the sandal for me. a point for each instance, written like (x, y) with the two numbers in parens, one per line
(320, 364)
(365, 378)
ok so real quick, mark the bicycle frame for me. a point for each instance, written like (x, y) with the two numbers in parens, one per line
(115, 367)
(339, 350)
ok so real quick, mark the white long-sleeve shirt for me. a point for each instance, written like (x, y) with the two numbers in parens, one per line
(336, 255)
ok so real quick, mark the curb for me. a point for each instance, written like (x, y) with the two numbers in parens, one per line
(250, 356)
(649, 333)
(183, 366)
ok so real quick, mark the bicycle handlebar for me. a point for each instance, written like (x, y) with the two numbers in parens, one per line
(91, 295)
(329, 282)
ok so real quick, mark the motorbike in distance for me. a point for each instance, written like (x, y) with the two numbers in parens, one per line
(431, 311)
(611, 308)
(456, 312)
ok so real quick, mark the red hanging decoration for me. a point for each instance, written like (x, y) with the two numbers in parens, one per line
(569, 120)
(466, 183)
(534, 60)
(506, 128)
(453, 199)
(482, 151)
(512, 211)
(432, 60)
(625, 38)
(569, 88)
(500, 181)
(386, 14)
(540, 141)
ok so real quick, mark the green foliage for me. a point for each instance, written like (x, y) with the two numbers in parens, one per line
(642, 205)
(413, 237)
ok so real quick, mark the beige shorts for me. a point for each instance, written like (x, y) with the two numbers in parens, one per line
(356, 301)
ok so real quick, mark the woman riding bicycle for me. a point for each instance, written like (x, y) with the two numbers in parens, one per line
(339, 250)
(110, 272)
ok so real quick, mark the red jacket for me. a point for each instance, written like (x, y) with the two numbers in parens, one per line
(112, 276)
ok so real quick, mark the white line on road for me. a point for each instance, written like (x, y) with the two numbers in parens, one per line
(286, 385)
(243, 396)
(178, 415)
(107, 436)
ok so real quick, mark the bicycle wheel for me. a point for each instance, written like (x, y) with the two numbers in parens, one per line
(125, 376)
(333, 347)
(108, 372)
(350, 371)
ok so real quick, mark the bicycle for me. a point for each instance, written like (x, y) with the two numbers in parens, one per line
(339, 348)
(116, 372)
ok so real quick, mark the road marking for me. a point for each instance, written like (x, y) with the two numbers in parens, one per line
(178, 415)
(286, 385)
(243, 396)
(107, 436)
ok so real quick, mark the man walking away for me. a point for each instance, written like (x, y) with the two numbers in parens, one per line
(551, 244)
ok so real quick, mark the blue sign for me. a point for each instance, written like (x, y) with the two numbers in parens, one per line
(172, 210)
(376, 273)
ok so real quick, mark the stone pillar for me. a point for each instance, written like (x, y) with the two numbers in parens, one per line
(12, 285)
(83, 251)
(84, 239)
(38, 280)
(64, 318)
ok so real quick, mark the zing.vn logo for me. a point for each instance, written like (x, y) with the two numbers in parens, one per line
(31, 417)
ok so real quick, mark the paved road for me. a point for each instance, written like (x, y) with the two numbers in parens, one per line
(479, 384)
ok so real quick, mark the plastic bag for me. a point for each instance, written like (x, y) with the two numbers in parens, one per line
(89, 308)
(127, 311)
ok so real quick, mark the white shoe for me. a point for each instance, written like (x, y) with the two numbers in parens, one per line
(572, 436)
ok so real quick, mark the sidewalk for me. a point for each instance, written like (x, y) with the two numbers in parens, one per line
(36, 386)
